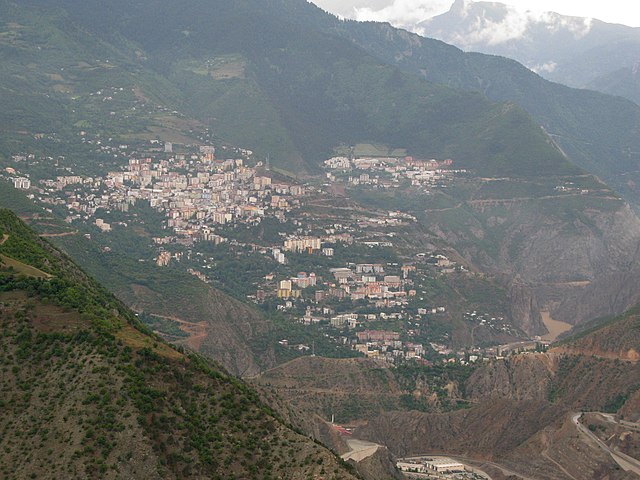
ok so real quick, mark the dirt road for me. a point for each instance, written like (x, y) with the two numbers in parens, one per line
(627, 463)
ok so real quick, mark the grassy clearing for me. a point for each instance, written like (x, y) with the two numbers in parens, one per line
(372, 150)
(138, 340)
(23, 269)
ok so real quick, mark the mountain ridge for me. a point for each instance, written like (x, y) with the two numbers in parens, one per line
(340, 94)
(579, 52)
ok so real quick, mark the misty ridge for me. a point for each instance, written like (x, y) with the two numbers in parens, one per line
(581, 52)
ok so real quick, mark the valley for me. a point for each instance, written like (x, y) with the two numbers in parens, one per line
(306, 231)
(375, 281)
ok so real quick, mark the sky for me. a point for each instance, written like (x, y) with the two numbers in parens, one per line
(404, 13)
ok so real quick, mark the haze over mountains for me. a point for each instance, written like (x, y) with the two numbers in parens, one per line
(575, 51)
(579, 52)
(449, 205)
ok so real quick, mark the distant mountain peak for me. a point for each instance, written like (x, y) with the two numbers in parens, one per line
(459, 7)
(472, 25)
(581, 52)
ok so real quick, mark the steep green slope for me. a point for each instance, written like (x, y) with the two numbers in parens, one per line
(296, 92)
(86, 392)
(205, 319)
(58, 80)
(191, 313)
(598, 132)
(306, 84)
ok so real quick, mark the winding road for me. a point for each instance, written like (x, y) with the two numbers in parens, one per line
(627, 463)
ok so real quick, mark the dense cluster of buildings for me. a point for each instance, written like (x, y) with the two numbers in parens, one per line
(200, 195)
(194, 190)
(387, 345)
(432, 465)
(364, 282)
(390, 172)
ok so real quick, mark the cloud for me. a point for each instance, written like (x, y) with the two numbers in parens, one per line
(403, 13)
(516, 24)
(548, 67)
(487, 29)
(484, 30)
(576, 25)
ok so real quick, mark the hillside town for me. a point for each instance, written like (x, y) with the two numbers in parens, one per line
(372, 307)
(195, 191)
(390, 172)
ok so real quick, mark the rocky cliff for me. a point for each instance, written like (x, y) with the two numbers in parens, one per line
(573, 252)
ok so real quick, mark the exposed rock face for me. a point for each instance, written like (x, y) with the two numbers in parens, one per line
(487, 431)
(522, 416)
(525, 309)
(520, 419)
(578, 260)
(620, 340)
(379, 466)
(518, 378)
(610, 262)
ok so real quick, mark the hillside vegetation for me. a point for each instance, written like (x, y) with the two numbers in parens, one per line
(262, 80)
(88, 393)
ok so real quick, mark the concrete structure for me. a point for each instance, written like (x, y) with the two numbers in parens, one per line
(22, 183)
(443, 465)
(302, 244)
(411, 467)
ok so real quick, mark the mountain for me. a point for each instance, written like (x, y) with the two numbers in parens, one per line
(286, 79)
(523, 410)
(86, 81)
(89, 392)
(297, 91)
(578, 52)
(595, 131)
(188, 312)
(513, 416)
(616, 338)
(266, 82)
(181, 308)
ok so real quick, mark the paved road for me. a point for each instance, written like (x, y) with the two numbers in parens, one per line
(627, 463)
